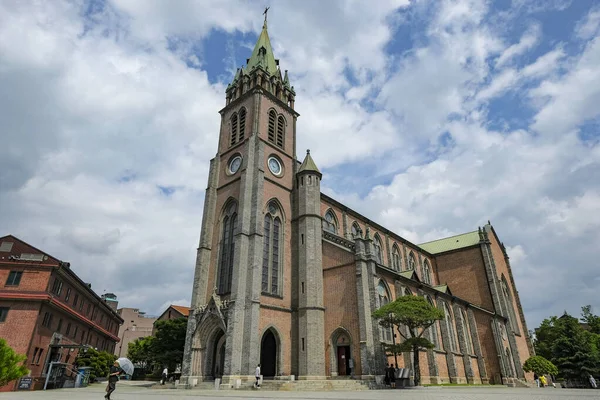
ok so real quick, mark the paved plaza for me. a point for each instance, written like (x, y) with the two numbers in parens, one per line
(127, 391)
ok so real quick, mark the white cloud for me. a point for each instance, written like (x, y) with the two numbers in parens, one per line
(588, 27)
(529, 39)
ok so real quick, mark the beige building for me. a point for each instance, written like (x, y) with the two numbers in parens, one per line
(136, 325)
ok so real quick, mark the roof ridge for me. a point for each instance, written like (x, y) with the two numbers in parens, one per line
(447, 237)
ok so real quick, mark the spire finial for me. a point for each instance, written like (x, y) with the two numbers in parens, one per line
(307, 151)
(265, 14)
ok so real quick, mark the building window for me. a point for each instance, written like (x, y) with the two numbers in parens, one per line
(75, 300)
(448, 320)
(384, 298)
(355, 230)
(272, 120)
(411, 262)
(3, 313)
(89, 308)
(396, 264)
(14, 278)
(280, 131)
(82, 336)
(47, 321)
(227, 249)
(508, 301)
(426, 273)
(39, 355)
(59, 325)
(75, 332)
(466, 331)
(234, 129)
(242, 124)
(68, 295)
(57, 287)
(407, 292)
(378, 252)
(329, 222)
(272, 251)
(433, 332)
(68, 329)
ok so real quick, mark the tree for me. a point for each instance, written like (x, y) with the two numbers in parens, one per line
(139, 351)
(540, 366)
(573, 352)
(593, 321)
(166, 347)
(11, 367)
(99, 362)
(417, 315)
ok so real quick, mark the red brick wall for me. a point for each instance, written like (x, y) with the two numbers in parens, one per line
(442, 367)
(282, 322)
(488, 346)
(454, 267)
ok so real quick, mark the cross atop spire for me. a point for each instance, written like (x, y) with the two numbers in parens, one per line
(265, 14)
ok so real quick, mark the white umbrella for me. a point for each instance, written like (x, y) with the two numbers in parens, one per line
(126, 365)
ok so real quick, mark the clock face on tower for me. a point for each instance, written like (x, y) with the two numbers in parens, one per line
(275, 166)
(234, 164)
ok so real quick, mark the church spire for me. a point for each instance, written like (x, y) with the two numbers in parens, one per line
(309, 166)
(262, 55)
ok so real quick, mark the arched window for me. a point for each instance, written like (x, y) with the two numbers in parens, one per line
(512, 317)
(234, 129)
(378, 251)
(355, 230)
(433, 330)
(407, 292)
(272, 120)
(384, 298)
(396, 263)
(242, 124)
(229, 226)
(329, 223)
(466, 331)
(448, 320)
(272, 251)
(426, 273)
(280, 131)
(412, 263)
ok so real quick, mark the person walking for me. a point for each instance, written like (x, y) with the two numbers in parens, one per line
(536, 378)
(164, 376)
(257, 375)
(393, 376)
(593, 382)
(113, 377)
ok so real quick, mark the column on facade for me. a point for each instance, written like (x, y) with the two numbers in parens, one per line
(477, 346)
(462, 343)
(447, 346)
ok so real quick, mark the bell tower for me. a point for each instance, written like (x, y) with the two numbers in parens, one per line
(243, 264)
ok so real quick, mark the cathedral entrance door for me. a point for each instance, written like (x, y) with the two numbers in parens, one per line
(343, 359)
(219, 355)
(268, 354)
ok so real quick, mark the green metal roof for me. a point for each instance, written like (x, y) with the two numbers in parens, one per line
(451, 243)
(308, 164)
(443, 289)
(265, 58)
(410, 274)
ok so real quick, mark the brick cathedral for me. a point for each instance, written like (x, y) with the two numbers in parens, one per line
(288, 277)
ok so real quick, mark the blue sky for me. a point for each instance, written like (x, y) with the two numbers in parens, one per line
(430, 117)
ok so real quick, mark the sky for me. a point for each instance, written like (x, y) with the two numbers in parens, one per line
(451, 113)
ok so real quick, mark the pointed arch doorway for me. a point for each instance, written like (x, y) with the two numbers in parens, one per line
(219, 355)
(268, 354)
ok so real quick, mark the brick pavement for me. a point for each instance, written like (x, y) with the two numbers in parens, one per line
(127, 391)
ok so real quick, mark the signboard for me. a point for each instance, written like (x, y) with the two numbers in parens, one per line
(25, 383)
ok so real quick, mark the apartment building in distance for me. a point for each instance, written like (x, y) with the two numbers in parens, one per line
(47, 312)
(136, 325)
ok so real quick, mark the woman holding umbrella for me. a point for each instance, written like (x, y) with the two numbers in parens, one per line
(121, 365)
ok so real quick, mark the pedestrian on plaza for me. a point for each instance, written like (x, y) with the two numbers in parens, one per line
(164, 376)
(386, 378)
(393, 375)
(257, 375)
(543, 380)
(113, 377)
(536, 378)
(593, 382)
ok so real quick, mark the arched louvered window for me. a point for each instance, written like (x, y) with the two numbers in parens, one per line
(426, 273)
(329, 222)
(411, 262)
(227, 249)
(449, 321)
(234, 129)
(378, 251)
(272, 121)
(280, 131)
(466, 331)
(272, 251)
(396, 265)
(242, 125)
(384, 298)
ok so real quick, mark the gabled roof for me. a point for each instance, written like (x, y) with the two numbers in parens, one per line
(181, 309)
(23, 248)
(410, 274)
(451, 243)
(443, 289)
